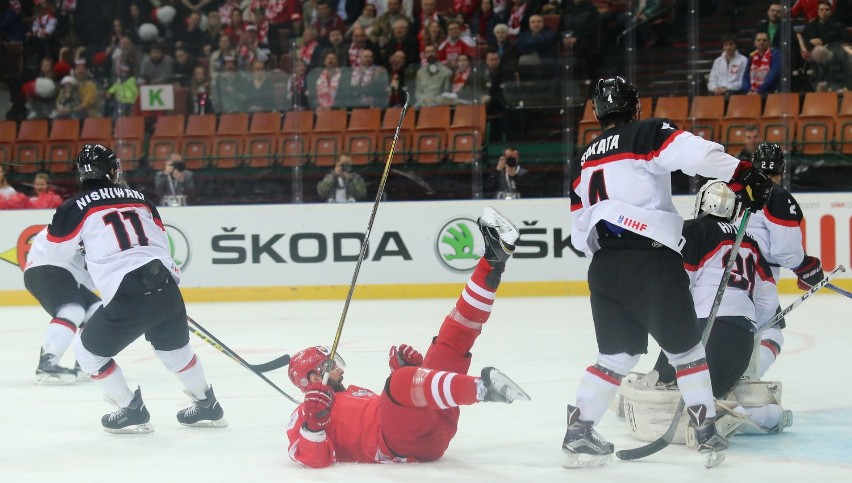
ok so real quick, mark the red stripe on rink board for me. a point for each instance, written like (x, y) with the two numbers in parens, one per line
(606, 377)
(691, 370)
(827, 249)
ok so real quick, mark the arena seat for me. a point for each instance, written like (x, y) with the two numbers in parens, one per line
(29, 146)
(61, 146)
(589, 128)
(230, 140)
(361, 140)
(705, 116)
(815, 124)
(743, 111)
(8, 133)
(262, 139)
(430, 134)
(128, 139)
(388, 129)
(843, 137)
(327, 137)
(778, 121)
(295, 139)
(166, 140)
(197, 145)
(467, 133)
(675, 108)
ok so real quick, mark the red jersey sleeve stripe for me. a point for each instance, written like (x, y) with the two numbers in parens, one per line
(60, 239)
(779, 221)
(639, 157)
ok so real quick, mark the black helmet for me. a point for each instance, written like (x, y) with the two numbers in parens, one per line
(97, 162)
(769, 158)
(615, 95)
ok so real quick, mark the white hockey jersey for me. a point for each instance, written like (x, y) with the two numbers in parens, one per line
(39, 256)
(777, 228)
(624, 178)
(750, 291)
(120, 230)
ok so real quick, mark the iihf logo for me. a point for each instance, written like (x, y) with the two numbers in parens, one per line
(632, 224)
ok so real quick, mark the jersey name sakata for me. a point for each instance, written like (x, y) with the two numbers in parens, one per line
(600, 147)
(108, 193)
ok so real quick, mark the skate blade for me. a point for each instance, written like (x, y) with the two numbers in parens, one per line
(45, 379)
(207, 423)
(714, 458)
(583, 460)
(516, 394)
(143, 428)
(83, 377)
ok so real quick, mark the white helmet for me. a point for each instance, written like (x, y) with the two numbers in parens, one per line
(715, 199)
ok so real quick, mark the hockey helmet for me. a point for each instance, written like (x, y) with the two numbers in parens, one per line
(615, 96)
(715, 198)
(769, 158)
(98, 162)
(309, 360)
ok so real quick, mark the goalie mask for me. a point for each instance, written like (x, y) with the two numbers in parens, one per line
(310, 360)
(715, 199)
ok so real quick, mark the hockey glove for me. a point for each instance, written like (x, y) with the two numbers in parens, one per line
(809, 272)
(317, 406)
(403, 356)
(746, 175)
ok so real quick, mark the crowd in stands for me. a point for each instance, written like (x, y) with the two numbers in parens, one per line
(89, 58)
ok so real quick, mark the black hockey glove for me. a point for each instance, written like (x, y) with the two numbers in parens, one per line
(809, 272)
(749, 176)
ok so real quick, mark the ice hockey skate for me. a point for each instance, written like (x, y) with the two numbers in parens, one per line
(81, 375)
(499, 234)
(133, 419)
(204, 413)
(709, 441)
(50, 372)
(583, 446)
(499, 388)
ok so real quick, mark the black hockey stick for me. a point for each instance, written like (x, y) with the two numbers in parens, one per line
(272, 365)
(364, 244)
(206, 336)
(668, 436)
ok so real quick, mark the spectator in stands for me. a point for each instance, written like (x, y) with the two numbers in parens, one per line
(510, 176)
(400, 40)
(12, 26)
(132, 21)
(327, 20)
(495, 104)
(823, 30)
(401, 75)
(40, 40)
(483, 21)
(455, 44)
(326, 87)
(519, 18)
(199, 92)
(433, 79)
(726, 75)
(501, 43)
(468, 83)
(183, 67)
(297, 97)
(368, 83)
(433, 35)
(124, 92)
(10, 198)
(68, 100)
(751, 139)
(428, 14)
(260, 95)
(212, 33)
(655, 24)
(613, 22)
(309, 48)
(536, 50)
(336, 44)
(90, 98)
(227, 9)
(383, 28)
(466, 8)
(806, 8)
(217, 58)
(250, 48)
(125, 54)
(580, 31)
(157, 66)
(175, 185)
(832, 70)
(342, 185)
(230, 87)
(772, 24)
(280, 15)
(190, 33)
(43, 197)
(235, 27)
(359, 42)
(763, 71)
(365, 21)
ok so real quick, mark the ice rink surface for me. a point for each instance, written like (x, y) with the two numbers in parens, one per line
(53, 433)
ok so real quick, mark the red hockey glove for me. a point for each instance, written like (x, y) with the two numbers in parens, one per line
(317, 406)
(809, 272)
(403, 356)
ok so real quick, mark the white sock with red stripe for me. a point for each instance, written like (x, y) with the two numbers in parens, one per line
(60, 333)
(419, 387)
(693, 378)
(477, 298)
(193, 378)
(770, 346)
(600, 383)
(112, 382)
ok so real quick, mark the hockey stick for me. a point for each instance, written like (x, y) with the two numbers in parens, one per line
(668, 436)
(206, 336)
(839, 290)
(364, 244)
(825, 282)
(276, 363)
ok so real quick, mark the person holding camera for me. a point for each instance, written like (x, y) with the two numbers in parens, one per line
(175, 184)
(509, 175)
(342, 185)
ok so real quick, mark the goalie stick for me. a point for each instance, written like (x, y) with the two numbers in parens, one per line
(666, 438)
(206, 336)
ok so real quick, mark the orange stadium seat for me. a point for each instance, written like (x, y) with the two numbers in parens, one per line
(675, 108)
(743, 111)
(295, 142)
(430, 134)
(705, 117)
(128, 139)
(230, 140)
(165, 140)
(467, 133)
(362, 136)
(815, 126)
(29, 146)
(198, 140)
(61, 147)
(388, 129)
(8, 133)
(777, 124)
(645, 103)
(327, 138)
(843, 138)
(262, 139)
(96, 130)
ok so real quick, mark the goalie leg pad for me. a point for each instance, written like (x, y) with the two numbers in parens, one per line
(649, 409)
